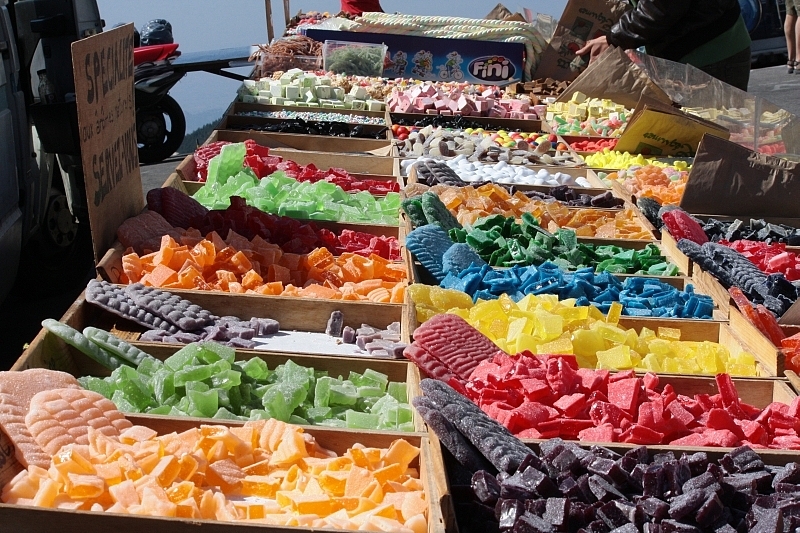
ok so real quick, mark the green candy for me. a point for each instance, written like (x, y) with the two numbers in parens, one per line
(116, 346)
(413, 209)
(437, 213)
(203, 380)
(76, 339)
(279, 194)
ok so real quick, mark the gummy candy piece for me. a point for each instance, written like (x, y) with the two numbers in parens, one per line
(682, 226)
(459, 257)
(413, 209)
(428, 244)
(454, 342)
(437, 213)
(335, 324)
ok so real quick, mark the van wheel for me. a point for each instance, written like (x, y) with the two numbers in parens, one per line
(59, 257)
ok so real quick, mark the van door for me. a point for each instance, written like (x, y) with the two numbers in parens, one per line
(10, 213)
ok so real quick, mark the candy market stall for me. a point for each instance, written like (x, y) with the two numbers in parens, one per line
(387, 304)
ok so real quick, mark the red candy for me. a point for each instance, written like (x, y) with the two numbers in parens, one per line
(594, 146)
(769, 258)
(598, 407)
(293, 236)
(448, 345)
(683, 226)
(263, 164)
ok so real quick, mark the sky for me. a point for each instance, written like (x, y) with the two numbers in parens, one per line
(199, 25)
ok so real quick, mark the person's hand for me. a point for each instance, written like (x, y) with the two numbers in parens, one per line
(594, 48)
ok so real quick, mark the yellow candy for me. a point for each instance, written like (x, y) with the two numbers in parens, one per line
(544, 325)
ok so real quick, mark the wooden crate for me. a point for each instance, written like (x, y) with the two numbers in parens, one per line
(715, 330)
(110, 265)
(758, 392)
(49, 351)
(670, 248)
(359, 166)
(707, 283)
(24, 519)
(247, 123)
(487, 123)
(770, 355)
(307, 143)
(597, 186)
(294, 314)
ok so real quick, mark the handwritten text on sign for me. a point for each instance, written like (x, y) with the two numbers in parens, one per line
(103, 69)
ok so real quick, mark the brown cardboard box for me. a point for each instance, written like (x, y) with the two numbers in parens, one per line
(582, 20)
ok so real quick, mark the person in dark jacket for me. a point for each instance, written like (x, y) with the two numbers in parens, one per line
(357, 7)
(708, 34)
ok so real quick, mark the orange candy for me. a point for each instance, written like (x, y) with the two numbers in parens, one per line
(652, 182)
(295, 481)
(237, 265)
(469, 204)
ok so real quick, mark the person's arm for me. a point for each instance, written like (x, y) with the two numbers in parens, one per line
(647, 23)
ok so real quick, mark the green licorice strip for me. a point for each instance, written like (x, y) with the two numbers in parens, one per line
(116, 346)
(76, 339)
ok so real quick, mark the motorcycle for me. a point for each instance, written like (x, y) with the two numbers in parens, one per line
(160, 122)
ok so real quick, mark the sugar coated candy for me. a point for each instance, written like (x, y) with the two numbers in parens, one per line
(545, 324)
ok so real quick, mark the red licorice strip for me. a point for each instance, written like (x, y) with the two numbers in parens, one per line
(683, 226)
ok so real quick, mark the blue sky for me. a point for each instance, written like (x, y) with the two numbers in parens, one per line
(213, 24)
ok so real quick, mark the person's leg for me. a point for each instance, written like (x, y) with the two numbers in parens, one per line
(796, 48)
(789, 30)
(733, 70)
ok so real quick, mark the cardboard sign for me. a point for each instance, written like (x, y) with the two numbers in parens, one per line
(581, 21)
(615, 77)
(666, 132)
(729, 179)
(103, 70)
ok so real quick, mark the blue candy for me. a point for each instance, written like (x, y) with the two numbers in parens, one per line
(429, 244)
(459, 257)
(638, 296)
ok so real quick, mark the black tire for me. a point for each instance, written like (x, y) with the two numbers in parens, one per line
(158, 140)
(59, 256)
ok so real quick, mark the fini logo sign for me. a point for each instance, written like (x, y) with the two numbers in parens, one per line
(492, 68)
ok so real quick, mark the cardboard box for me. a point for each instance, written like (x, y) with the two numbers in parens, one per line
(429, 58)
(581, 21)
(306, 143)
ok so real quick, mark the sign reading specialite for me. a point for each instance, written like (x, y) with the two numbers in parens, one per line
(103, 68)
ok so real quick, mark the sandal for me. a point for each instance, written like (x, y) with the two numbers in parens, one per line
(791, 64)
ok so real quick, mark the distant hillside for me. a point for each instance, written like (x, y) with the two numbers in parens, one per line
(197, 137)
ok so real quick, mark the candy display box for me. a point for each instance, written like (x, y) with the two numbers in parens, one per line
(240, 110)
(26, 519)
(248, 122)
(109, 267)
(303, 315)
(429, 58)
(591, 176)
(489, 124)
(373, 148)
(758, 342)
(374, 167)
(691, 330)
(49, 351)
(756, 392)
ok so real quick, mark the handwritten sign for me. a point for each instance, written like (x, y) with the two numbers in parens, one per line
(666, 132)
(103, 68)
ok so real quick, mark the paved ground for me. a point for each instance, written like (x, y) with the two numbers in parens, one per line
(20, 314)
(774, 84)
